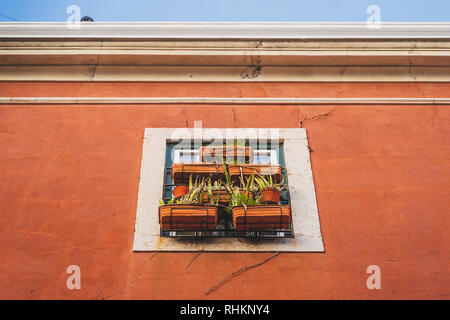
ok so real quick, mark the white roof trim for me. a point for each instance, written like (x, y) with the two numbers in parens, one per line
(225, 30)
(215, 100)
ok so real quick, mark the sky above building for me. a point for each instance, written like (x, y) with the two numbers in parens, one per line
(227, 10)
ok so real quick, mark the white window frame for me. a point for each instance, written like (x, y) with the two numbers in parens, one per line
(305, 216)
(178, 152)
(178, 155)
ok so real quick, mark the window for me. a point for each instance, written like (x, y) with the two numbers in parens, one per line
(186, 156)
(155, 182)
(265, 156)
(259, 156)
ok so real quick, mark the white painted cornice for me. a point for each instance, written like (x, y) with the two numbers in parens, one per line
(225, 51)
(225, 30)
(226, 101)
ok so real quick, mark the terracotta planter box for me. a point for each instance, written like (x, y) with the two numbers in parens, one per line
(188, 217)
(224, 197)
(182, 171)
(248, 169)
(264, 217)
(221, 194)
(180, 190)
(270, 195)
(206, 153)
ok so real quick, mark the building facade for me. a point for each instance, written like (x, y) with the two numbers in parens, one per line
(75, 106)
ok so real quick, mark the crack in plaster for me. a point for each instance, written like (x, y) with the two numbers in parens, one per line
(411, 66)
(251, 73)
(97, 62)
(315, 117)
(238, 272)
(93, 73)
(185, 118)
(254, 71)
(132, 281)
(193, 259)
(434, 112)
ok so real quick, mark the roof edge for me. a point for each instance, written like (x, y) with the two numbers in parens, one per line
(223, 30)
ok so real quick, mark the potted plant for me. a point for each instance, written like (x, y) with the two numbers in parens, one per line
(215, 193)
(248, 213)
(180, 190)
(187, 212)
(246, 184)
(269, 191)
(238, 198)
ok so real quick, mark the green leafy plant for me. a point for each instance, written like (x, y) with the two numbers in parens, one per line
(264, 182)
(227, 174)
(247, 184)
(194, 195)
(240, 195)
(214, 188)
(239, 198)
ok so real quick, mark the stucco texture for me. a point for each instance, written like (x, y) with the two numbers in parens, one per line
(69, 182)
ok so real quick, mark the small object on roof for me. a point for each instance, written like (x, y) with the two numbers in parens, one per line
(87, 19)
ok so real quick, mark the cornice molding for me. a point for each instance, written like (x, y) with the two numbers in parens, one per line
(224, 101)
(102, 73)
(224, 30)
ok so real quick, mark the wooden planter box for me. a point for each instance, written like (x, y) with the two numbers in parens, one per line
(248, 169)
(182, 171)
(188, 217)
(264, 217)
(220, 152)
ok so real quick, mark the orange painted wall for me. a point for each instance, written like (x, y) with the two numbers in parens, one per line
(69, 180)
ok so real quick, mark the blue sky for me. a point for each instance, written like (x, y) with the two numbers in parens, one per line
(227, 10)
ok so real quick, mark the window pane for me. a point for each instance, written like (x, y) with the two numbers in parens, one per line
(262, 158)
(189, 156)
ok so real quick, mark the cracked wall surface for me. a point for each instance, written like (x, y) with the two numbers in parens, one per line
(69, 189)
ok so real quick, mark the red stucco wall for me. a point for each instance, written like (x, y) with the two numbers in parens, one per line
(69, 180)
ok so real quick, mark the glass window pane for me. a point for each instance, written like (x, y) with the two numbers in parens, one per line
(262, 158)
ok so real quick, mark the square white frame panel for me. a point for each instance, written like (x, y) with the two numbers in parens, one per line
(305, 215)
